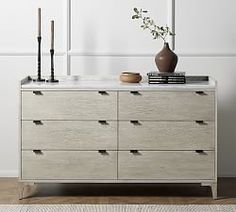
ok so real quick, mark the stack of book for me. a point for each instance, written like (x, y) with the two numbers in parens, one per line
(166, 78)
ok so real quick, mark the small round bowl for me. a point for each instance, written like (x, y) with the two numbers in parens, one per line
(130, 77)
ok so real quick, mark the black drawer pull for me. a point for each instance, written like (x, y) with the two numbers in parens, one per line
(103, 93)
(103, 152)
(201, 93)
(201, 122)
(199, 151)
(37, 152)
(38, 93)
(136, 93)
(103, 122)
(135, 122)
(134, 151)
(38, 122)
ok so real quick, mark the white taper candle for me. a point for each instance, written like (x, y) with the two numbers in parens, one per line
(52, 34)
(39, 22)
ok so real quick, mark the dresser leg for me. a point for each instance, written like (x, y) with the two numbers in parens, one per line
(213, 189)
(25, 189)
(20, 191)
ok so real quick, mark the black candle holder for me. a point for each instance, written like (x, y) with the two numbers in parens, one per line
(52, 78)
(39, 78)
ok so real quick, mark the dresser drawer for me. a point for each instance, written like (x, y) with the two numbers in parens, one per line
(162, 105)
(168, 165)
(71, 105)
(68, 165)
(166, 135)
(69, 135)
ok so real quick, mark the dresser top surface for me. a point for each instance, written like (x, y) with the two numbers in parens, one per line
(109, 83)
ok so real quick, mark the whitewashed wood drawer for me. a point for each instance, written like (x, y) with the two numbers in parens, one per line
(69, 165)
(166, 135)
(167, 105)
(69, 135)
(71, 105)
(166, 165)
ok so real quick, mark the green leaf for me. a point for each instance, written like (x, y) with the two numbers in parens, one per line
(135, 17)
(136, 10)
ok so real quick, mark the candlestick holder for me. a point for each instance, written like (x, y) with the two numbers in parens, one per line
(52, 78)
(39, 78)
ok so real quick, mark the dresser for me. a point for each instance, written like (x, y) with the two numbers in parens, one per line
(83, 130)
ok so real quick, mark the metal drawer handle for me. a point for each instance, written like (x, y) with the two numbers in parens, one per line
(200, 152)
(135, 122)
(103, 152)
(38, 152)
(201, 93)
(201, 122)
(104, 93)
(136, 93)
(38, 93)
(135, 152)
(103, 122)
(38, 122)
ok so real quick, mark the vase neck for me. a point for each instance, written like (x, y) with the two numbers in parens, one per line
(166, 45)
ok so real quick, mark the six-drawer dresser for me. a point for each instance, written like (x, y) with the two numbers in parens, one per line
(102, 131)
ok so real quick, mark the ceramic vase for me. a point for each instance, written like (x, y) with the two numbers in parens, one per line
(166, 60)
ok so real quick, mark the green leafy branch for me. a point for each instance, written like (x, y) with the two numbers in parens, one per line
(148, 23)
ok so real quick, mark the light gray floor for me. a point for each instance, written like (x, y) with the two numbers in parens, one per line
(117, 208)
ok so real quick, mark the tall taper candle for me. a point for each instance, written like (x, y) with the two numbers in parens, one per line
(52, 34)
(39, 22)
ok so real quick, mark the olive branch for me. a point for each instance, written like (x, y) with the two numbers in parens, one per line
(148, 23)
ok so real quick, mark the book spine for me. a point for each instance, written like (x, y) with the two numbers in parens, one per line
(164, 78)
(176, 83)
(166, 74)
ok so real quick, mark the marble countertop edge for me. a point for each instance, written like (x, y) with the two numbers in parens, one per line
(108, 83)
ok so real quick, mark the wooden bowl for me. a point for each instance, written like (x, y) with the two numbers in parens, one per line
(130, 77)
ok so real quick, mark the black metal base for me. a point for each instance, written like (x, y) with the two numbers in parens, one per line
(39, 80)
(52, 81)
(52, 77)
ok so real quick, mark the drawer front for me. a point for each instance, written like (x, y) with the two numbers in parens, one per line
(166, 105)
(72, 105)
(175, 165)
(69, 135)
(151, 135)
(63, 165)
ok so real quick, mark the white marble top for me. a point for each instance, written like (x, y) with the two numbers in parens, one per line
(109, 83)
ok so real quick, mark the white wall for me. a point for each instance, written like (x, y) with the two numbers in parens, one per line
(99, 38)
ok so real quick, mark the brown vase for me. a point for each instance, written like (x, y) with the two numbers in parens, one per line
(166, 60)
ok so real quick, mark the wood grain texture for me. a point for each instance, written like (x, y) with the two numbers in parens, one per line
(166, 165)
(69, 165)
(25, 189)
(184, 105)
(70, 131)
(214, 188)
(69, 135)
(73, 105)
(55, 193)
(166, 135)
